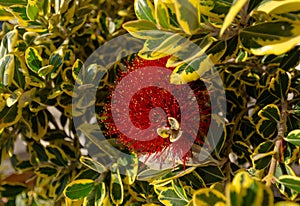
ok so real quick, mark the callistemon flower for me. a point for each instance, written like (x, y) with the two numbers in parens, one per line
(150, 116)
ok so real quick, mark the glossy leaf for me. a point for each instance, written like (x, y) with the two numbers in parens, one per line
(188, 15)
(142, 29)
(293, 137)
(79, 189)
(144, 10)
(208, 197)
(168, 196)
(191, 71)
(56, 60)
(7, 69)
(262, 155)
(280, 84)
(279, 7)
(162, 14)
(284, 169)
(291, 182)
(10, 115)
(247, 191)
(33, 59)
(275, 37)
(269, 117)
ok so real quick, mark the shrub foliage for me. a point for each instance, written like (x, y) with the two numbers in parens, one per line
(254, 45)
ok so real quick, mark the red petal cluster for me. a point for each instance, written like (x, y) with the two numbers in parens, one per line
(163, 102)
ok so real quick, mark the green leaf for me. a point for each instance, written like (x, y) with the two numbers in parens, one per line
(214, 8)
(188, 51)
(144, 10)
(194, 180)
(38, 123)
(14, 97)
(191, 71)
(179, 189)
(7, 68)
(291, 182)
(56, 60)
(208, 197)
(24, 166)
(21, 74)
(8, 189)
(284, 169)
(79, 189)
(100, 193)
(241, 149)
(262, 160)
(152, 174)
(247, 191)
(211, 174)
(10, 115)
(57, 155)
(8, 43)
(162, 14)
(12, 2)
(46, 171)
(168, 196)
(77, 66)
(166, 47)
(279, 7)
(43, 71)
(40, 151)
(290, 153)
(33, 59)
(93, 164)
(179, 172)
(188, 15)
(293, 137)
(5, 15)
(128, 166)
(269, 117)
(32, 9)
(143, 29)
(280, 84)
(116, 185)
(19, 11)
(233, 11)
(275, 37)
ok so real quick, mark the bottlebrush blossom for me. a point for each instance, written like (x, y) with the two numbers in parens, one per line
(149, 116)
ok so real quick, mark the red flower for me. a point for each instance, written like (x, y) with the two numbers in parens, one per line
(150, 116)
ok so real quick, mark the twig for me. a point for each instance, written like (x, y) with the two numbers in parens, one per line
(280, 136)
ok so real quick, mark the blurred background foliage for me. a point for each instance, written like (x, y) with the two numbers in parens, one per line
(254, 46)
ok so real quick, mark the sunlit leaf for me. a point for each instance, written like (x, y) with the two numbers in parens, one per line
(291, 182)
(144, 10)
(275, 37)
(279, 7)
(33, 59)
(233, 11)
(293, 137)
(188, 15)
